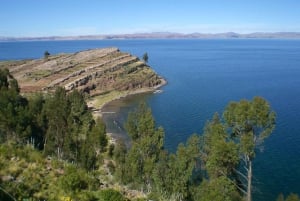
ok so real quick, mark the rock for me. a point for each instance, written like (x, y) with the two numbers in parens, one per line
(7, 178)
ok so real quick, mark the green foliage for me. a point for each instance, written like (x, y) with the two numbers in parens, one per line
(250, 122)
(290, 197)
(140, 122)
(120, 153)
(253, 119)
(38, 120)
(110, 194)
(95, 143)
(218, 189)
(14, 117)
(59, 124)
(173, 173)
(46, 54)
(28, 175)
(220, 152)
(145, 57)
(111, 149)
(73, 180)
(147, 143)
(71, 132)
(62, 126)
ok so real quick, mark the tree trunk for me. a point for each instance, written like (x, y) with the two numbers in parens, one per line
(249, 187)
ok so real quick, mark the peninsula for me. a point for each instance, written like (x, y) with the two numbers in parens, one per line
(103, 74)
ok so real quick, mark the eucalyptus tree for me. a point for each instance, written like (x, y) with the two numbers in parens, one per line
(147, 143)
(250, 123)
(14, 117)
(220, 158)
(173, 173)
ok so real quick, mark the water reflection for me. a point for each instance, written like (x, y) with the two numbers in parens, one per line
(115, 113)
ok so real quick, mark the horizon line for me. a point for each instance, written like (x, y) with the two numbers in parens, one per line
(164, 34)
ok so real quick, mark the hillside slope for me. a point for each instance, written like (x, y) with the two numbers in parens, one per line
(106, 72)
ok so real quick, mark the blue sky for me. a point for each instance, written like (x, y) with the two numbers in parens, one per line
(82, 17)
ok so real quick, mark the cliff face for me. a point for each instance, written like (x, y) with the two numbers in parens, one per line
(96, 71)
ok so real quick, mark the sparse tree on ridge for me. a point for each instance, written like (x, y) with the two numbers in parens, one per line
(46, 54)
(145, 57)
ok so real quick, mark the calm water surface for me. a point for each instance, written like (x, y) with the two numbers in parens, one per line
(203, 76)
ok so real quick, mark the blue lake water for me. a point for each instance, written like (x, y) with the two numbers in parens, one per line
(203, 76)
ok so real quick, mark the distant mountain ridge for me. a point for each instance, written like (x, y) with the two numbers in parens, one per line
(163, 35)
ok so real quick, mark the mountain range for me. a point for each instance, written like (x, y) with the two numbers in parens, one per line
(163, 35)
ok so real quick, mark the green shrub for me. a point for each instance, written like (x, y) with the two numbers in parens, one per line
(110, 194)
(73, 180)
(111, 167)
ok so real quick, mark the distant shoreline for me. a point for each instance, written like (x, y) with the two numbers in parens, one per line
(161, 35)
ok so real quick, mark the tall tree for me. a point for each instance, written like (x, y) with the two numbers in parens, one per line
(14, 117)
(220, 153)
(94, 143)
(250, 122)
(220, 157)
(38, 120)
(56, 110)
(80, 122)
(147, 143)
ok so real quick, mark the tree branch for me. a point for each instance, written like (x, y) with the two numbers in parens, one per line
(239, 188)
(7, 193)
(241, 174)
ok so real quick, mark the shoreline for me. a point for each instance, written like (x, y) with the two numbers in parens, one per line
(97, 108)
(97, 112)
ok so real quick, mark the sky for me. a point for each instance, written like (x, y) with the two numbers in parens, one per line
(36, 18)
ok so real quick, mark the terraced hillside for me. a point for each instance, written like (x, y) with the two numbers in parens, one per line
(106, 72)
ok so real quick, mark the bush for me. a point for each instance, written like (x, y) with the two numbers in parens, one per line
(110, 194)
(73, 180)
(111, 149)
(111, 167)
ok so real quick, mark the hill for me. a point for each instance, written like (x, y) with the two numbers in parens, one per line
(107, 73)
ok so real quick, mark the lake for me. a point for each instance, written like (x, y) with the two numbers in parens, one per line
(203, 77)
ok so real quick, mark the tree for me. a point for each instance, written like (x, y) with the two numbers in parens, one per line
(14, 117)
(250, 122)
(290, 197)
(147, 143)
(220, 158)
(95, 142)
(145, 57)
(46, 54)
(80, 122)
(220, 153)
(38, 120)
(217, 189)
(57, 111)
(173, 172)
(120, 153)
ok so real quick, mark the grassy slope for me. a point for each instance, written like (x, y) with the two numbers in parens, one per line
(26, 173)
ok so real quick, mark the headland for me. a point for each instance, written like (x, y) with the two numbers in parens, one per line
(104, 75)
